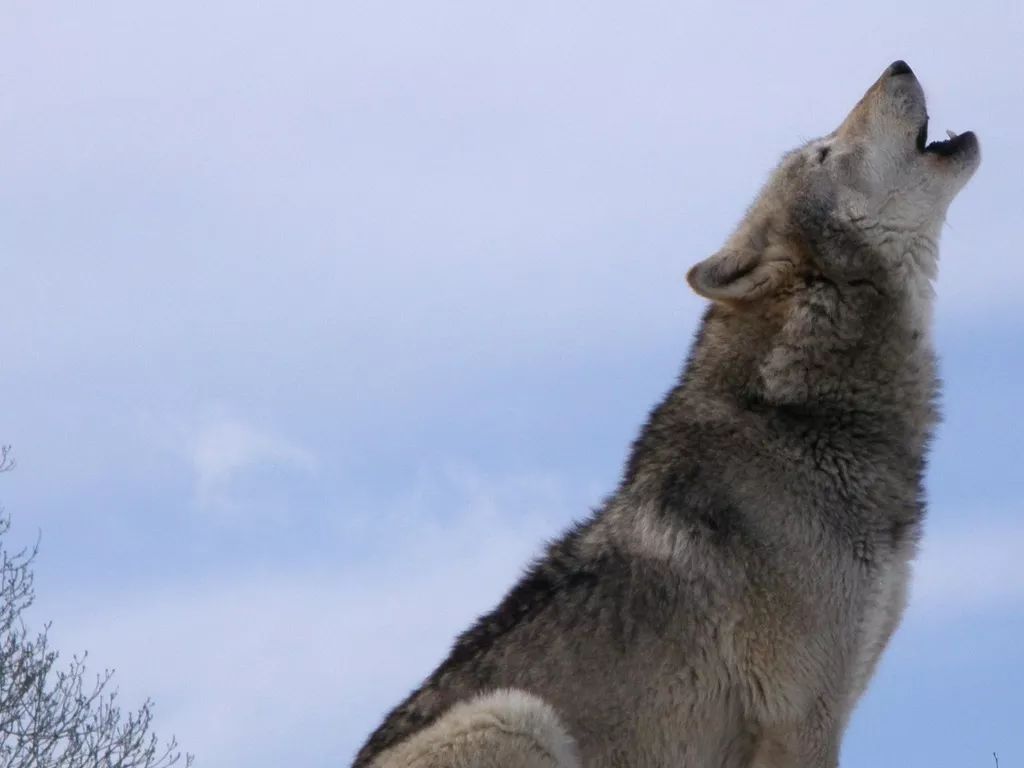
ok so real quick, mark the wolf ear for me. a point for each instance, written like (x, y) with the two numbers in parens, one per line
(739, 275)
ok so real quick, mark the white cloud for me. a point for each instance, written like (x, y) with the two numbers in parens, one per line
(224, 448)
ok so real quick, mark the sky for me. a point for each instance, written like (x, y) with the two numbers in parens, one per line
(319, 318)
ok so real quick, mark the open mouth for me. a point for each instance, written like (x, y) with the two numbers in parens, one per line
(945, 148)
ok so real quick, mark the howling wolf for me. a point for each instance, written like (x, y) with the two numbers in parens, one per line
(727, 605)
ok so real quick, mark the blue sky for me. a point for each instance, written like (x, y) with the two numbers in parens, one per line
(319, 318)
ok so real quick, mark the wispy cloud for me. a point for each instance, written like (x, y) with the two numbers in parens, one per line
(224, 448)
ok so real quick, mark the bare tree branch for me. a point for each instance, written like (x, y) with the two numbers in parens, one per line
(50, 716)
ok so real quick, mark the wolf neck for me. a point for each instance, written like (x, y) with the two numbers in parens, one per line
(882, 371)
(878, 402)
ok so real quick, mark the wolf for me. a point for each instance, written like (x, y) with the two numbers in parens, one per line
(728, 604)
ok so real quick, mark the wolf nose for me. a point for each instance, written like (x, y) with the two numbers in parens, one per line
(900, 67)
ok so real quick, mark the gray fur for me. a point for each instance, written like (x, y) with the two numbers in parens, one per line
(728, 603)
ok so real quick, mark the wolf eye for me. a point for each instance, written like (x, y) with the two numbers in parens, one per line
(823, 153)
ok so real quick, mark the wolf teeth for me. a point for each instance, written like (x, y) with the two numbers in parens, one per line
(951, 134)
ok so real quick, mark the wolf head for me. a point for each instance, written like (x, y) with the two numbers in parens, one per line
(838, 252)
(862, 205)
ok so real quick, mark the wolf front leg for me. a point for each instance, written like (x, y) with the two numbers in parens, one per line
(501, 729)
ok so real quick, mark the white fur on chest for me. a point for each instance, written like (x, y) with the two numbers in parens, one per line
(919, 267)
(914, 254)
